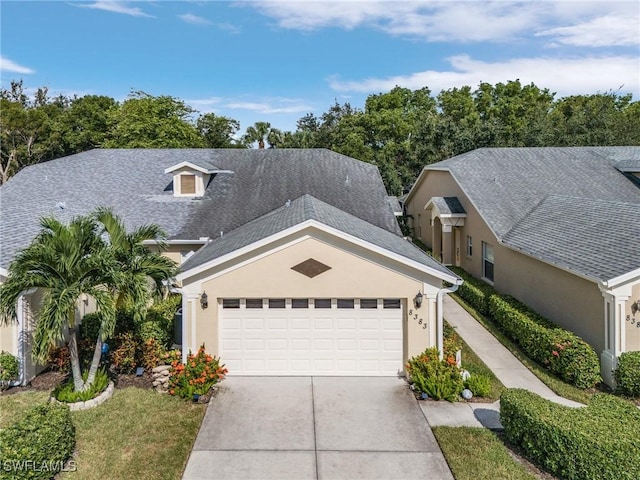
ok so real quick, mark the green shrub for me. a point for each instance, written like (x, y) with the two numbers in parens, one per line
(9, 369)
(162, 315)
(44, 437)
(440, 379)
(451, 342)
(201, 372)
(562, 352)
(89, 327)
(124, 355)
(599, 441)
(627, 374)
(149, 330)
(473, 291)
(65, 393)
(153, 353)
(480, 385)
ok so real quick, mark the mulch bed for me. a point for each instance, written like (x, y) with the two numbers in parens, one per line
(124, 381)
(47, 381)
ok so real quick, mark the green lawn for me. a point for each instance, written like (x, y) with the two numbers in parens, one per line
(12, 407)
(554, 383)
(478, 454)
(136, 434)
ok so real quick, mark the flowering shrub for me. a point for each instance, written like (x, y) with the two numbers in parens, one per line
(440, 379)
(171, 356)
(201, 372)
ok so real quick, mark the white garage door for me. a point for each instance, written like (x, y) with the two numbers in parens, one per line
(311, 337)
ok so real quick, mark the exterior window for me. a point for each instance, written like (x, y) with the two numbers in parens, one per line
(187, 184)
(368, 303)
(346, 303)
(276, 303)
(469, 246)
(322, 303)
(231, 303)
(487, 261)
(300, 303)
(391, 303)
(254, 303)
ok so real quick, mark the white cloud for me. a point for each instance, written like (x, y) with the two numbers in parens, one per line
(194, 19)
(439, 21)
(229, 27)
(605, 31)
(276, 105)
(562, 75)
(7, 65)
(270, 107)
(116, 6)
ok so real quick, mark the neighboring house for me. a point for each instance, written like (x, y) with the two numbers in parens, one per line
(557, 228)
(292, 261)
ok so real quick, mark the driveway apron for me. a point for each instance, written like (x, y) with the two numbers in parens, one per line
(315, 428)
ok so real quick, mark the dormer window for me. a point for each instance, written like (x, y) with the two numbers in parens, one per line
(191, 178)
(187, 184)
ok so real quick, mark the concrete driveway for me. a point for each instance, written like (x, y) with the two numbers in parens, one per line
(315, 428)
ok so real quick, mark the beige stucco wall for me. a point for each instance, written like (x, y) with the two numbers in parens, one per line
(632, 332)
(8, 338)
(174, 252)
(568, 300)
(442, 184)
(355, 273)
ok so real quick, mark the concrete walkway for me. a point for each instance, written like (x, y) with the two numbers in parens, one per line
(502, 363)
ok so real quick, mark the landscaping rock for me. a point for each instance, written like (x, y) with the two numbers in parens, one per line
(161, 368)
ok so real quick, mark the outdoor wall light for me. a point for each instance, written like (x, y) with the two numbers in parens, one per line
(204, 300)
(418, 300)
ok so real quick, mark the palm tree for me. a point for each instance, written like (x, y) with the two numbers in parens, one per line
(257, 133)
(141, 273)
(67, 262)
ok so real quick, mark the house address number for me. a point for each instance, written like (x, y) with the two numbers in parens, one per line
(418, 319)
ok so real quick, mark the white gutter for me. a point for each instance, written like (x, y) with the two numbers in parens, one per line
(440, 314)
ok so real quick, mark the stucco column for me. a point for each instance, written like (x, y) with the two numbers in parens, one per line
(189, 311)
(447, 245)
(436, 238)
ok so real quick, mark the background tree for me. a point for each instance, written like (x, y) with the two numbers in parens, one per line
(257, 133)
(145, 121)
(218, 131)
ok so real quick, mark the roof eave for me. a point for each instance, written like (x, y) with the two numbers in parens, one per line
(321, 226)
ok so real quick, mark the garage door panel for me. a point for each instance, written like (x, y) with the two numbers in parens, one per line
(311, 341)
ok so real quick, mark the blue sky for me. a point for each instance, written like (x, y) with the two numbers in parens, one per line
(276, 61)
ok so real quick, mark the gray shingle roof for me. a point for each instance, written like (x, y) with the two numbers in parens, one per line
(506, 185)
(448, 205)
(134, 184)
(596, 238)
(306, 208)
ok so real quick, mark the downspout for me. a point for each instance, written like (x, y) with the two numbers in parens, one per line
(440, 313)
(183, 321)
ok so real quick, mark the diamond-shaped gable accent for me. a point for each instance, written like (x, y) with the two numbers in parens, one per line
(311, 268)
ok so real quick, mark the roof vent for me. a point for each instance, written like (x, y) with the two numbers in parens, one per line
(61, 205)
(288, 203)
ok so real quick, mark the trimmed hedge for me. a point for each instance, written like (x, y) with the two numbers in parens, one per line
(599, 441)
(562, 352)
(627, 374)
(565, 354)
(473, 291)
(37, 446)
